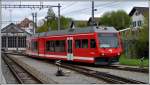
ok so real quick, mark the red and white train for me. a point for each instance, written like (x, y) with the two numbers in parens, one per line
(98, 45)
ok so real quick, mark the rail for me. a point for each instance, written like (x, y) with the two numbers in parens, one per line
(102, 75)
(22, 76)
(141, 70)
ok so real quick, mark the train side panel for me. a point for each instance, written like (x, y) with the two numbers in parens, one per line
(56, 54)
(83, 52)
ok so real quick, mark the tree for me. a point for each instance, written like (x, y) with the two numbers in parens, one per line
(50, 14)
(143, 40)
(53, 24)
(118, 19)
(139, 41)
(80, 23)
(65, 22)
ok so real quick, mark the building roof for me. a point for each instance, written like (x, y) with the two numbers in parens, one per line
(89, 29)
(25, 23)
(12, 28)
(142, 10)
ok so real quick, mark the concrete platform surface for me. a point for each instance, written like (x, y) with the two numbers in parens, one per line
(46, 72)
(3, 81)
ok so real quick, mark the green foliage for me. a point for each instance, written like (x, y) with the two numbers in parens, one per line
(137, 45)
(133, 62)
(118, 19)
(142, 44)
(43, 28)
(52, 24)
(65, 22)
(80, 23)
(50, 13)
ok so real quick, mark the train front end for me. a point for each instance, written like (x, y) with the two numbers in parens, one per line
(109, 47)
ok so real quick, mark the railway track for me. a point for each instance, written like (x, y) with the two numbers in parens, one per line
(21, 75)
(141, 70)
(102, 75)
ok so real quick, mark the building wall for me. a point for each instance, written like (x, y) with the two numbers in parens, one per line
(29, 28)
(13, 41)
(137, 19)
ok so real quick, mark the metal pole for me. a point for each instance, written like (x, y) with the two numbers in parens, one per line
(33, 22)
(58, 16)
(92, 13)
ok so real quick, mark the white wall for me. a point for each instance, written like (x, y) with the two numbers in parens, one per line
(137, 18)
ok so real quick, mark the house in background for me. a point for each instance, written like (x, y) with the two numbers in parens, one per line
(13, 37)
(137, 15)
(26, 25)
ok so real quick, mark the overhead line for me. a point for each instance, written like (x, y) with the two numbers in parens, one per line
(26, 6)
(68, 6)
(88, 8)
(99, 6)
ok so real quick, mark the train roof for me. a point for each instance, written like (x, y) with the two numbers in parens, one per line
(78, 30)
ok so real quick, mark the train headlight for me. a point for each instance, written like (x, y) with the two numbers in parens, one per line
(103, 54)
(118, 53)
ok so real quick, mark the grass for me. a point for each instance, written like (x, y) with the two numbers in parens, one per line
(133, 62)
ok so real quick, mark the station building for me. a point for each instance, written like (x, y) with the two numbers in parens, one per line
(13, 37)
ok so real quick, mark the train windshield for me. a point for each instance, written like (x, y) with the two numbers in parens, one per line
(108, 40)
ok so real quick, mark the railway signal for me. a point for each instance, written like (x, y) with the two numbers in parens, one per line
(59, 71)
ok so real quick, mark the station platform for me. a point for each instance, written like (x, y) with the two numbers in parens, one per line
(45, 72)
(3, 81)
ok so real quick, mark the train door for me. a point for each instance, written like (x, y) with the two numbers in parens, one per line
(70, 48)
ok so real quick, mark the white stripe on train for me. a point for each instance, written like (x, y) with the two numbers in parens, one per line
(59, 56)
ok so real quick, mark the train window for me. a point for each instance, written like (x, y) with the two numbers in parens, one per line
(47, 45)
(34, 45)
(60, 46)
(108, 40)
(85, 43)
(69, 46)
(92, 43)
(55, 46)
(50, 46)
(78, 43)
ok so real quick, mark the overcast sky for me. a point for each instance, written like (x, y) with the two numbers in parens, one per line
(78, 10)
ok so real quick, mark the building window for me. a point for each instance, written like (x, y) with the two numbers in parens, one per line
(139, 23)
(85, 43)
(3, 41)
(134, 24)
(137, 13)
(92, 43)
(10, 44)
(78, 43)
